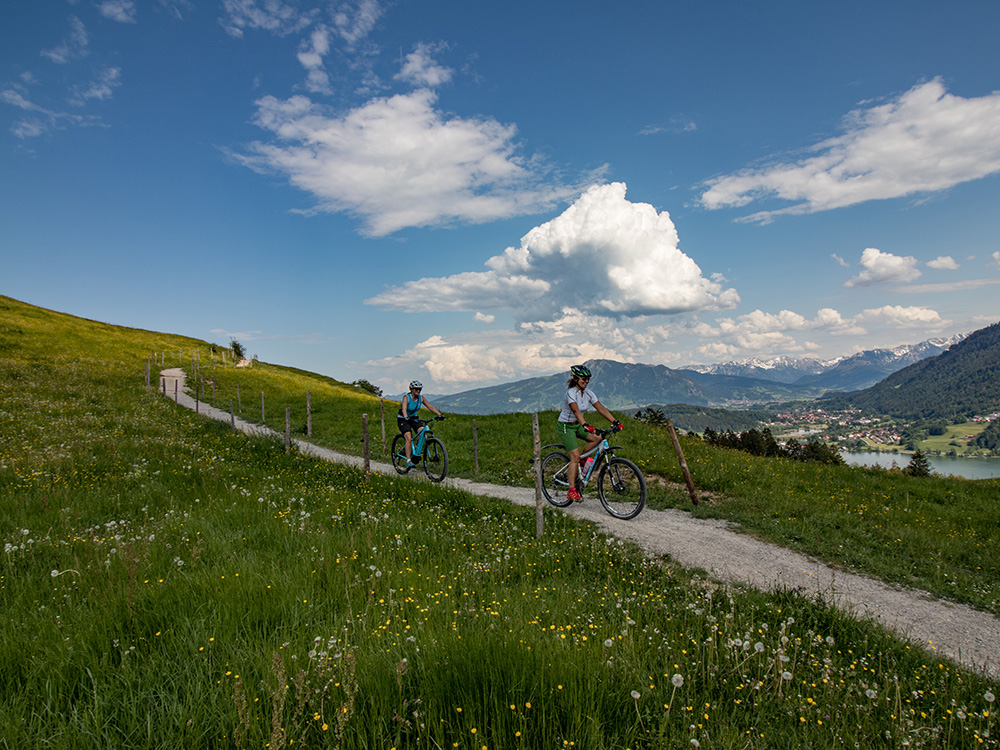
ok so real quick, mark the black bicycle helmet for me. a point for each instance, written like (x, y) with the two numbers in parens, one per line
(580, 371)
(416, 384)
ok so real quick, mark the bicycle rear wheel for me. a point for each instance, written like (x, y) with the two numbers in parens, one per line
(399, 454)
(435, 460)
(622, 488)
(555, 479)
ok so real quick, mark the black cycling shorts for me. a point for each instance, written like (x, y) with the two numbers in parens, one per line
(408, 425)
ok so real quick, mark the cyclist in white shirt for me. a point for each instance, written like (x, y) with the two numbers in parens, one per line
(572, 426)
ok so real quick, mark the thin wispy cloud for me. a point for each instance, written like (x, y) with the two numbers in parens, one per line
(310, 55)
(73, 47)
(280, 17)
(100, 88)
(884, 268)
(923, 141)
(397, 162)
(122, 11)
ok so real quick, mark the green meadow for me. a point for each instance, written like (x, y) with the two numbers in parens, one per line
(167, 582)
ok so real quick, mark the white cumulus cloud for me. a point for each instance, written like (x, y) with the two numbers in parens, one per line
(923, 141)
(420, 68)
(397, 162)
(943, 263)
(604, 256)
(884, 268)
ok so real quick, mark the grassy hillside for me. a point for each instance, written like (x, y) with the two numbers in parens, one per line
(166, 582)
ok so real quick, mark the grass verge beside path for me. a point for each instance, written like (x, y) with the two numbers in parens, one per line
(166, 582)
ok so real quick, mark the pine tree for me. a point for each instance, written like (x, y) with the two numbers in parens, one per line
(918, 466)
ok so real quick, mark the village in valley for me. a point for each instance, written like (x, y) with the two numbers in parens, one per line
(855, 431)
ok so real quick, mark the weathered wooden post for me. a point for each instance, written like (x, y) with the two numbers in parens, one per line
(232, 417)
(381, 407)
(239, 401)
(176, 380)
(475, 447)
(262, 407)
(309, 413)
(680, 457)
(364, 440)
(288, 429)
(538, 475)
(197, 404)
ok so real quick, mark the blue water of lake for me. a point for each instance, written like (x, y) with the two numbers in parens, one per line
(970, 468)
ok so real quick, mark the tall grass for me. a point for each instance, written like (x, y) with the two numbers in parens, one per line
(166, 582)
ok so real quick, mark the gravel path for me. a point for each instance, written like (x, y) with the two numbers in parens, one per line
(951, 630)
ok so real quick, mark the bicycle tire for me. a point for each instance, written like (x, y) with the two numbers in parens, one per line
(626, 488)
(554, 479)
(399, 454)
(435, 460)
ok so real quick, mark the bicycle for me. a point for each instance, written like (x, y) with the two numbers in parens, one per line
(426, 448)
(620, 484)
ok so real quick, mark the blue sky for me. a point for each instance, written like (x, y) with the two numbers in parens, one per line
(473, 193)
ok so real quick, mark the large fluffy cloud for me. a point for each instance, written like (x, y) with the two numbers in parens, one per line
(397, 162)
(603, 256)
(923, 141)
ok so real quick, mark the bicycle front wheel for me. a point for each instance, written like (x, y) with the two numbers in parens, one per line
(435, 460)
(399, 454)
(622, 488)
(555, 479)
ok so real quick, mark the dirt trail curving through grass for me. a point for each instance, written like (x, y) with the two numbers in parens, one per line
(955, 631)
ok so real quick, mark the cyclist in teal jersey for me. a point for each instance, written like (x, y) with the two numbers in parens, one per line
(572, 426)
(409, 423)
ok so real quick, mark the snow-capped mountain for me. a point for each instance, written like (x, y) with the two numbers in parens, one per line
(846, 373)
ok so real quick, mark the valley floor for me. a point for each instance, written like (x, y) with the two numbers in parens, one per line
(946, 629)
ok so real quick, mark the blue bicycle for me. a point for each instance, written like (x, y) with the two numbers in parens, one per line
(620, 484)
(426, 448)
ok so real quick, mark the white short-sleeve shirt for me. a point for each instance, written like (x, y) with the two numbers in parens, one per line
(584, 399)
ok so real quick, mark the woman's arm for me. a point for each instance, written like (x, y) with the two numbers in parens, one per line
(430, 406)
(604, 412)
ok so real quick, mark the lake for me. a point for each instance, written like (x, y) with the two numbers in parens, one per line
(970, 468)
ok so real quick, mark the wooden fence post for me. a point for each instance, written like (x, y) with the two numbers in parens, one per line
(680, 457)
(538, 475)
(262, 407)
(288, 429)
(176, 380)
(239, 401)
(381, 407)
(232, 417)
(475, 447)
(364, 440)
(309, 414)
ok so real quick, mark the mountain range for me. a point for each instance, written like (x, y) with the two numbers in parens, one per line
(959, 383)
(732, 385)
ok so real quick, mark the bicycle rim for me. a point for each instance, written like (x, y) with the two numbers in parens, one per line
(555, 481)
(622, 488)
(435, 460)
(399, 454)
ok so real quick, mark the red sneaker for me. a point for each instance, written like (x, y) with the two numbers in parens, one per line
(574, 495)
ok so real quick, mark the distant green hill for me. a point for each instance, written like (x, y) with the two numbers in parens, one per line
(700, 418)
(962, 382)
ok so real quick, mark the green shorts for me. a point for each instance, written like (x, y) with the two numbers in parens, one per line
(570, 433)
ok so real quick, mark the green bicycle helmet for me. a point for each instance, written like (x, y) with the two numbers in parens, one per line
(580, 371)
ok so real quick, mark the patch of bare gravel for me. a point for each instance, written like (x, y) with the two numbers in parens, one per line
(950, 630)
